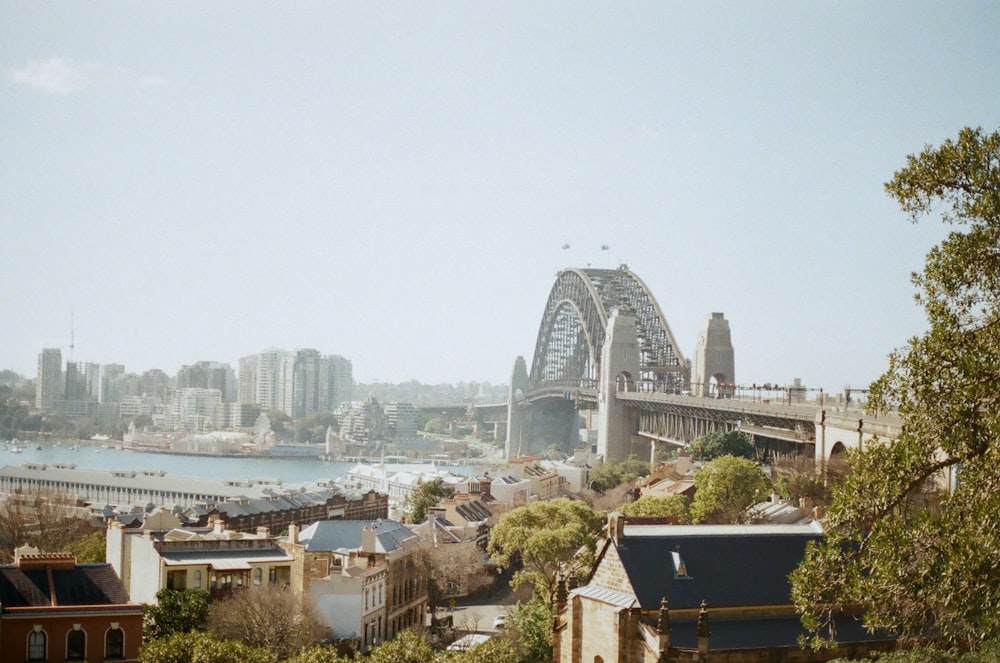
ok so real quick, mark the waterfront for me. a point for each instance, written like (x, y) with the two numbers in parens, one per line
(292, 471)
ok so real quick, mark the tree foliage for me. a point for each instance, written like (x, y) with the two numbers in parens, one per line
(426, 495)
(313, 427)
(407, 647)
(530, 627)
(725, 488)
(929, 571)
(670, 506)
(90, 548)
(47, 519)
(269, 616)
(201, 647)
(613, 473)
(546, 536)
(730, 443)
(175, 612)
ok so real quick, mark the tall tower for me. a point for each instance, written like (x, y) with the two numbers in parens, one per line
(49, 386)
(619, 372)
(713, 359)
(517, 411)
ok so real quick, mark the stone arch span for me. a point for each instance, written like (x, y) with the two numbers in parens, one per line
(575, 324)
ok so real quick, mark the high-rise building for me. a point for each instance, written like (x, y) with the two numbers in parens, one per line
(49, 387)
(109, 380)
(339, 381)
(298, 383)
(209, 375)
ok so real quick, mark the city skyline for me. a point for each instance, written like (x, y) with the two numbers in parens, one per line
(401, 184)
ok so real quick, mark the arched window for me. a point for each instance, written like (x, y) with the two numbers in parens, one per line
(197, 579)
(76, 645)
(258, 576)
(36, 646)
(114, 643)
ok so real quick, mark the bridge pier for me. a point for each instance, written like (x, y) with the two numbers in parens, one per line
(619, 372)
(518, 411)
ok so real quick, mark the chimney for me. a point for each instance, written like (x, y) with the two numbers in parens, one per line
(368, 538)
(616, 527)
(263, 533)
(217, 527)
(663, 628)
(293, 533)
(485, 485)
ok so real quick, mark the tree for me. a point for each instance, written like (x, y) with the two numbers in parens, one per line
(407, 647)
(270, 617)
(426, 495)
(730, 443)
(672, 506)
(320, 654)
(90, 548)
(531, 628)
(201, 647)
(546, 536)
(313, 427)
(44, 518)
(725, 488)
(175, 612)
(929, 569)
(613, 473)
(494, 650)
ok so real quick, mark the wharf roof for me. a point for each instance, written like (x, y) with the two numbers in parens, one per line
(724, 565)
(329, 535)
(81, 585)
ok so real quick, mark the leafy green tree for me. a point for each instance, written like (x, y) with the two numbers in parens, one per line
(426, 495)
(929, 571)
(407, 647)
(436, 426)
(176, 612)
(530, 627)
(725, 488)
(90, 548)
(613, 473)
(730, 443)
(270, 617)
(313, 428)
(672, 506)
(201, 647)
(546, 536)
(319, 654)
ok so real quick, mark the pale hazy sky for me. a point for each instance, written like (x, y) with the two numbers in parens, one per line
(393, 182)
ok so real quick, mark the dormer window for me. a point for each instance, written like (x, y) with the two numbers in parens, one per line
(680, 568)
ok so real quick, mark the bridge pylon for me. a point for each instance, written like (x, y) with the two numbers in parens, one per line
(619, 372)
(714, 359)
(518, 411)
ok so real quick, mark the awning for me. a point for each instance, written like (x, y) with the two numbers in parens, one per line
(230, 565)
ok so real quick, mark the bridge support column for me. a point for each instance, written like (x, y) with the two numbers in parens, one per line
(517, 411)
(713, 359)
(619, 371)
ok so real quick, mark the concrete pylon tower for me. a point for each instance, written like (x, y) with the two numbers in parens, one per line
(619, 371)
(713, 359)
(517, 410)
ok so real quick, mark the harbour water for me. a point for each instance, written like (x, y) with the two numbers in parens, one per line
(290, 471)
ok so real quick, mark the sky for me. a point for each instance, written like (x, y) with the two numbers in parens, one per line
(394, 182)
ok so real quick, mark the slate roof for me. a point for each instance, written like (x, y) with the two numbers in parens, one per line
(725, 565)
(327, 535)
(84, 584)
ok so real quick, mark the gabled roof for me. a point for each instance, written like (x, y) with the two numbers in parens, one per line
(722, 565)
(80, 585)
(328, 535)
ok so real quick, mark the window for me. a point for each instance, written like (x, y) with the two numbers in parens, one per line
(258, 576)
(76, 645)
(36, 646)
(177, 580)
(197, 580)
(114, 644)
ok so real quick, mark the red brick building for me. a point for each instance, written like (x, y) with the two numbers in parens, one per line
(53, 609)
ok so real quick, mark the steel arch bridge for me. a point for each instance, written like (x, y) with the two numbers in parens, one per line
(575, 323)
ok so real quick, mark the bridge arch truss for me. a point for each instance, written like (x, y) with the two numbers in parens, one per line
(574, 326)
